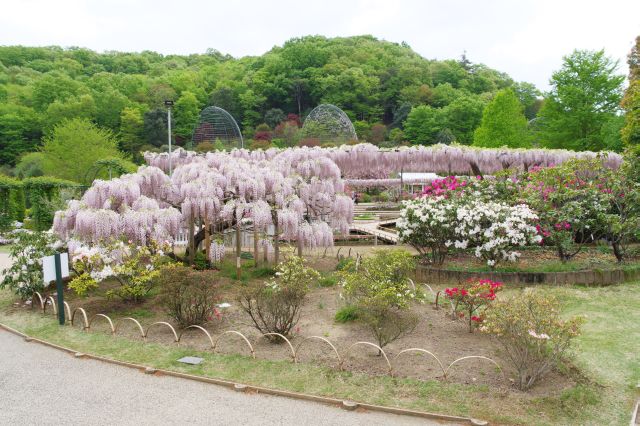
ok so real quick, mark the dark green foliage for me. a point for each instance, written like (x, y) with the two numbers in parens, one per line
(155, 127)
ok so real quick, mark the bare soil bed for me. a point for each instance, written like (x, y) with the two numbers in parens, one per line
(437, 332)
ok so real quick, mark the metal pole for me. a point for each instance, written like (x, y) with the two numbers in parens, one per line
(56, 258)
(169, 135)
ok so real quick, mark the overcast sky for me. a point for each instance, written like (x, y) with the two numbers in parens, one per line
(526, 39)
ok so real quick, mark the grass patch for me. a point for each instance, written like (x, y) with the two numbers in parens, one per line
(364, 216)
(5, 249)
(606, 353)
(346, 314)
(327, 280)
(249, 271)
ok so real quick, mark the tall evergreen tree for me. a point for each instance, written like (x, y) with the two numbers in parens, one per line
(503, 123)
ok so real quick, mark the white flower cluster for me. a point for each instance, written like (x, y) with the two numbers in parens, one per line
(216, 251)
(493, 229)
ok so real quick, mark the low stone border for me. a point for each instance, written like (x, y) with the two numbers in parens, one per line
(592, 277)
(240, 387)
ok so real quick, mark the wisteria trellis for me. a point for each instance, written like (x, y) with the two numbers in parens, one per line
(366, 161)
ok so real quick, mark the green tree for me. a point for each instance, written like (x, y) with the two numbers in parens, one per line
(30, 165)
(131, 127)
(529, 97)
(74, 146)
(631, 101)
(20, 132)
(155, 127)
(423, 124)
(585, 94)
(463, 116)
(83, 106)
(187, 111)
(274, 116)
(503, 123)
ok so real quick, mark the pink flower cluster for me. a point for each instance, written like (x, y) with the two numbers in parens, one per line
(440, 187)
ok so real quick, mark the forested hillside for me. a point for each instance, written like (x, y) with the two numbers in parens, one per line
(373, 81)
(51, 98)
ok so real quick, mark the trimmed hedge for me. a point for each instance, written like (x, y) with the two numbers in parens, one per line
(40, 190)
(12, 202)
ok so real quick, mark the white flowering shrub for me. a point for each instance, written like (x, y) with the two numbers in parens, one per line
(493, 230)
(24, 276)
(436, 224)
(428, 224)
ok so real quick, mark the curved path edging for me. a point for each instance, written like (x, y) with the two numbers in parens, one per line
(348, 405)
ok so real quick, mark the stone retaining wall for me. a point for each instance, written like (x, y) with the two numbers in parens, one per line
(592, 277)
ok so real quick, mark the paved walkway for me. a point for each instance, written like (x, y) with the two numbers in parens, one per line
(372, 228)
(44, 386)
(5, 262)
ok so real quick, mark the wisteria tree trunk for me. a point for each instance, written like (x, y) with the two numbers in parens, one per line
(238, 250)
(192, 241)
(276, 242)
(256, 253)
(207, 236)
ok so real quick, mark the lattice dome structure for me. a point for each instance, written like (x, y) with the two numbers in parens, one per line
(218, 127)
(329, 123)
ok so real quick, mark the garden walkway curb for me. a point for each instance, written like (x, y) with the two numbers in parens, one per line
(347, 405)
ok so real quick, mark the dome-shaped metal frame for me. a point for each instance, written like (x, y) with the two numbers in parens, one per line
(327, 122)
(214, 124)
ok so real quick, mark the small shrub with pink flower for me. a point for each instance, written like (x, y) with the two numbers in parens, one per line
(570, 203)
(471, 298)
(532, 333)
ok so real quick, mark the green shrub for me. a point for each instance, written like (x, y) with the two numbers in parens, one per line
(200, 261)
(274, 306)
(532, 333)
(188, 296)
(346, 314)
(379, 289)
(345, 263)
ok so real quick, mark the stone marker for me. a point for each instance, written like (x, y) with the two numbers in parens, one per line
(193, 360)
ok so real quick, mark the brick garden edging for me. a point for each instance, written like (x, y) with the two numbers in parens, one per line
(591, 277)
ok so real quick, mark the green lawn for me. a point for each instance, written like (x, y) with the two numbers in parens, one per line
(608, 354)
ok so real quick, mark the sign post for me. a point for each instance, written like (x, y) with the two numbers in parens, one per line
(57, 267)
(59, 288)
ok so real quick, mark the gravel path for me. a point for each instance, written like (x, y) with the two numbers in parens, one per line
(44, 386)
(5, 262)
